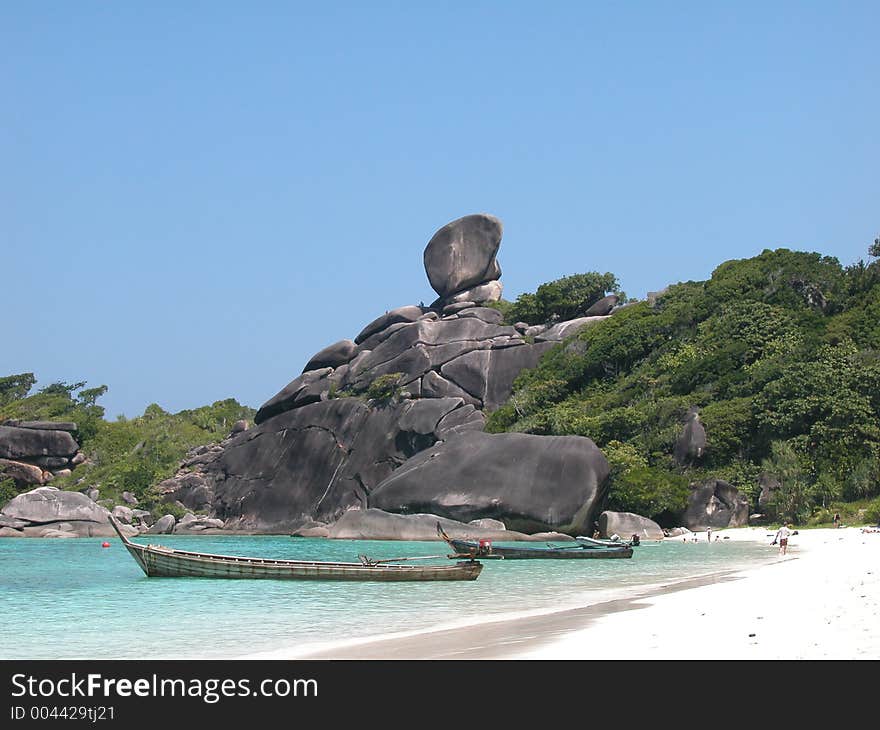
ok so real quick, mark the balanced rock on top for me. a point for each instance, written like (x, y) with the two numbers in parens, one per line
(461, 255)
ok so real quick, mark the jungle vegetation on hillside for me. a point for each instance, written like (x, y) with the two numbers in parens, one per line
(125, 454)
(780, 353)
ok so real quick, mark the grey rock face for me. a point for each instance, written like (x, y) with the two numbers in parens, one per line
(314, 462)
(603, 307)
(424, 346)
(122, 514)
(43, 425)
(400, 315)
(561, 330)
(489, 291)
(715, 503)
(488, 375)
(332, 356)
(52, 462)
(486, 314)
(21, 472)
(691, 443)
(457, 307)
(436, 386)
(309, 387)
(376, 524)
(627, 524)
(18, 443)
(163, 526)
(129, 498)
(768, 485)
(532, 482)
(462, 254)
(239, 426)
(488, 524)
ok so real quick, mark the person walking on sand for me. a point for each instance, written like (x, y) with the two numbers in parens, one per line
(782, 535)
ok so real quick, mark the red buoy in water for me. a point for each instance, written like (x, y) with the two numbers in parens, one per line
(105, 544)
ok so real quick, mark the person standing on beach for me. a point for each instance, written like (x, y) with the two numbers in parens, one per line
(782, 535)
(709, 533)
(836, 520)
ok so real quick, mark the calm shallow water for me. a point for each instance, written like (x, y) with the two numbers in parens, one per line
(69, 599)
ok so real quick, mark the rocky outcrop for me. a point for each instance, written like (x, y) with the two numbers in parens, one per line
(603, 307)
(17, 442)
(324, 446)
(34, 452)
(163, 526)
(375, 524)
(49, 512)
(461, 255)
(532, 483)
(691, 443)
(332, 356)
(627, 524)
(401, 315)
(715, 503)
(314, 462)
(561, 330)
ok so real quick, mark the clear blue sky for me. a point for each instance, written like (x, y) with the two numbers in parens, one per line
(197, 196)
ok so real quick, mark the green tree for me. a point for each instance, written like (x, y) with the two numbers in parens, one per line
(792, 501)
(15, 387)
(562, 299)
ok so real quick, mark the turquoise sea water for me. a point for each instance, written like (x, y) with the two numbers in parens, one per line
(72, 599)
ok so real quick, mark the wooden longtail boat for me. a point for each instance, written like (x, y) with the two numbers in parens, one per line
(486, 549)
(158, 561)
(635, 541)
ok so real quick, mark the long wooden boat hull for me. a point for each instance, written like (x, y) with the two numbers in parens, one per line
(576, 552)
(163, 562)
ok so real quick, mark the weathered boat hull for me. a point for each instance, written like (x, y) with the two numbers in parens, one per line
(162, 562)
(463, 547)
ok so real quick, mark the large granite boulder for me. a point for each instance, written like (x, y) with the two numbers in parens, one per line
(163, 526)
(314, 462)
(715, 503)
(627, 524)
(332, 356)
(691, 443)
(532, 483)
(310, 387)
(489, 291)
(21, 472)
(462, 254)
(48, 504)
(603, 307)
(50, 512)
(561, 330)
(18, 443)
(376, 524)
(767, 484)
(401, 315)
(42, 425)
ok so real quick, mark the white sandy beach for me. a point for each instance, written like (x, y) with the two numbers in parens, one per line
(820, 601)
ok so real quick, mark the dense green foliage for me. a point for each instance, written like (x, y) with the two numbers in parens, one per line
(781, 354)
(562, 299)
(125, 454)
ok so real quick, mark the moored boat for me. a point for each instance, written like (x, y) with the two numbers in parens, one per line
(577, 551)
(158, 561)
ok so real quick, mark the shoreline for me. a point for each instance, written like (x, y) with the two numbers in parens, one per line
(820, 601)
